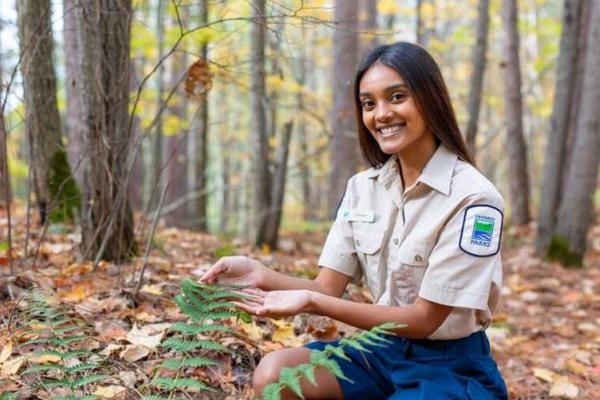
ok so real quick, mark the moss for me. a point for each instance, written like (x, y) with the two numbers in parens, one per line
(65, 197)
(559, 250)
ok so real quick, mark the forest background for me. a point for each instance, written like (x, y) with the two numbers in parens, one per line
(141, 140)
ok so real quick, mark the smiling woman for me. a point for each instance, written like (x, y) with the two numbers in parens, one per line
(423, 226)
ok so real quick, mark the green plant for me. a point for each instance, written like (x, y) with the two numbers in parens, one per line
(560, 250)
(69, 364)
(206, 306)
(290, 377)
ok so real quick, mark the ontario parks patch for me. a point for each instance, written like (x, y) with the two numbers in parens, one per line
(481, 231)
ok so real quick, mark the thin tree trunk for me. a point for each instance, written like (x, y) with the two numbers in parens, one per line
(157, 148)
(578, 204)
(57, 194)
(305, 175)
(479, 61)
(370, 40)
(419, 25)
(74, 121)
(259, 136)
(103, 65)
(515, 141)
(199, 145)
(278, 190)
(557, 135)
(5, 192)
(344, 147)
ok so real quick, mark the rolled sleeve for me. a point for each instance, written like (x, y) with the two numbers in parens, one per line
(456, 276)
(339, 252)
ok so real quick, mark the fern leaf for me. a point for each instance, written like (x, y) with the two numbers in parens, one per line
(188, 362)
(80, 367)
(271, 391)
(335, 369)
(88, 379)
(64, 355)
(175, 383)
(338, 351)
(308, 370)
(155, 398)
(43, 367)
(195, 329)
(354, 344)
(178, 344)
(289, 377)
(87, 397)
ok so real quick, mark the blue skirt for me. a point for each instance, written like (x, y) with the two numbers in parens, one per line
(411, 369)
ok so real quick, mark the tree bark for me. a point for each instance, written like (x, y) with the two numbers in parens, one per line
(259, 135)
(199, 146)
(515, 141)
(479, 61)
(74, 120)
(103, 37)
(57, 194)
(556, 143)
(344, 147)
(578, 204)
(5, 192)
(370, 40)
(278, 190)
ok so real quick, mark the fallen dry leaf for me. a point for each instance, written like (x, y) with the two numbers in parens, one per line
(564, 388)
(285, 335)
(544, 374)
(152, 289)
(45, 359)
(11, 367)
(253, 331)
(134, 353)
(139, 337)
(109, 392)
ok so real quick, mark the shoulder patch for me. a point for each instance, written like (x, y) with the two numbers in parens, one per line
(481, 231)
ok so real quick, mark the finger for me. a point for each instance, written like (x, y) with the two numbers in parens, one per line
(252, 309)
(213, 272)
(254, 292)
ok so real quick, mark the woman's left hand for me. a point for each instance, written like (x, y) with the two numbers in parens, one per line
(277, 303)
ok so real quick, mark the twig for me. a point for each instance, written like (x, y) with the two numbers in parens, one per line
(149, 242)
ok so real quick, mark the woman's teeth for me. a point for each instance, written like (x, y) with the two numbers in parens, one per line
(391, 130)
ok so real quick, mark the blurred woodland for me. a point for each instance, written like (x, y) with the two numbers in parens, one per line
(141, 140)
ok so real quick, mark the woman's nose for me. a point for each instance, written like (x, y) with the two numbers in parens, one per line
(383, 113)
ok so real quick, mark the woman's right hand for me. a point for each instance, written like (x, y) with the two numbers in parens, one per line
(237, 270)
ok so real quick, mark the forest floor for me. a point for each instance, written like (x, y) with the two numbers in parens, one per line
(545, 336)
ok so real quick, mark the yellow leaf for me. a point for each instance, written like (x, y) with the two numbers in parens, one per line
(11, 367)
(285, 335)
(45, 359)
(253, 331)
(76, 295)
(387, 7)
(109, 392)
(544, 374)
(563, 388)
(575, 366)
(152, 289)
(6, 352)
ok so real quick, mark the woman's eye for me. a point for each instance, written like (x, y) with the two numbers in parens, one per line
(367, 104)
(398, 96)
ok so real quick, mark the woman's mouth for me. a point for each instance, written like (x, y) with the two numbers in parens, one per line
(391, 130)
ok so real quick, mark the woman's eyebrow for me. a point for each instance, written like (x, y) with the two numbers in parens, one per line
(387, 89)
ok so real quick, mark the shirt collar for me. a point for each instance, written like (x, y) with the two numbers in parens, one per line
(437, 173)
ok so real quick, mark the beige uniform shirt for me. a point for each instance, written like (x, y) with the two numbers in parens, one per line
(438, 239)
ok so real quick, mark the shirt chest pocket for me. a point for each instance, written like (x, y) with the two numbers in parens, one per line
(368, 242)
(408, 271)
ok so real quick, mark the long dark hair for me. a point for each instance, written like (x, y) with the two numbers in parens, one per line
(423, 77)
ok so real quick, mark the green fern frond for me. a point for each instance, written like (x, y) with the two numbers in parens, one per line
(43, 367)
(64, 355)
(87, 397)
(87, 380)
(271, 391)
(195, 329)
(188, 362)
(290, 378)
(178, 344)
(177, 383)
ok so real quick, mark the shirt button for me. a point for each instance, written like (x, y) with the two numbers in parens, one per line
(418, 258)
(395, 241)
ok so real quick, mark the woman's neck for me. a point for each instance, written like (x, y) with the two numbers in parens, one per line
(412, 161)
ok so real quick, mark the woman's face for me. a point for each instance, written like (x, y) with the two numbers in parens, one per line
(391, 115)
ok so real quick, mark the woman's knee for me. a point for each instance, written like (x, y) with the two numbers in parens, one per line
(270, 366)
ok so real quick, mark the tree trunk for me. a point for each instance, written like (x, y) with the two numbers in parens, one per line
(478, 60)
(515, 141)
(278, 190)
(344, 147)
(103, 37)
(56, 192)
(157, 148)
(557, 135)
(303, 140)
(577, 207)
(5, 192)
(259, 136)
(74, 120)
(370, 40)
(199, 146)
